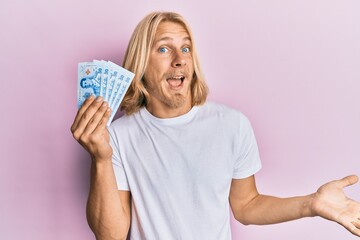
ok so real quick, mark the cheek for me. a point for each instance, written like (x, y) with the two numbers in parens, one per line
(156, 66)
(190, 64)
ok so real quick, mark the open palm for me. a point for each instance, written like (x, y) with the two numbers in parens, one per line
(330, 202)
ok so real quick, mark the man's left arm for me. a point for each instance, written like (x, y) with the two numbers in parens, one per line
(329, 202)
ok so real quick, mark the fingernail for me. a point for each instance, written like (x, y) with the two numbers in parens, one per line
(98, 99)
(104, 104)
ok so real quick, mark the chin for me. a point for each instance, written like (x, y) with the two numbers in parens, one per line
(176, 101)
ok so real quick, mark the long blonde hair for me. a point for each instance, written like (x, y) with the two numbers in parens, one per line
(137, 56)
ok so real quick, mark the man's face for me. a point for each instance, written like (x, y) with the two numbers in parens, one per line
(170, 69)
(86, 83)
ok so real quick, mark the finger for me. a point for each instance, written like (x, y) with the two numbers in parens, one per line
(103, 122)
(96, 119)
(356, 223)
(354, 229)
(348, 181)
(86, 117)
(81, 111)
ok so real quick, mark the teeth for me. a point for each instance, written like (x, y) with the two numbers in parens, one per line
(178, 78)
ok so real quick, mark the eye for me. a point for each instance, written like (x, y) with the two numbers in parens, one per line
(185, 50)
(163, 50)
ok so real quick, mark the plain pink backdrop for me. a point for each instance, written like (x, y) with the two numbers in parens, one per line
(293, 67)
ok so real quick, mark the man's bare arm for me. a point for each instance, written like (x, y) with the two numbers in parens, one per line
(108, 210)
(329, 202)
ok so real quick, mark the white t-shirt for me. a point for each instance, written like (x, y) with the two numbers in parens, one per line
(179, 170)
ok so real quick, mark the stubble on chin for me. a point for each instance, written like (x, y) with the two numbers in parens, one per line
(176, 101)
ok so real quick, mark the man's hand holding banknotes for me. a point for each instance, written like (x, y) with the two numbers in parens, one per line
(101, 88)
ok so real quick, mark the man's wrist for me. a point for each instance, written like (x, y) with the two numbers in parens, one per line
(101, 160)
(307, 207)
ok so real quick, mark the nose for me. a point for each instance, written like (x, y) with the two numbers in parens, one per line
(179, 60)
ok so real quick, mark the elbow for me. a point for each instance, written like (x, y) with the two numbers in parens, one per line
(245, 214)
(109, 237)
(242, 219)
(118, 233)
(245, 223)
(107, 230)
(245, 211)
(104, 231)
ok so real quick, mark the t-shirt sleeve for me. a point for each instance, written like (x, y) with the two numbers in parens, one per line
(248, 160)
(118, 166)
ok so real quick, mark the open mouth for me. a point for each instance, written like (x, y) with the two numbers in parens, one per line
(175, 81)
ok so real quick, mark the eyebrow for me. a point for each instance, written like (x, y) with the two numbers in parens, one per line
(169, 38)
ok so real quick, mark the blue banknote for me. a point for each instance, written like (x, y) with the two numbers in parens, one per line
(113, 75)
(116, 89)
(121, 93)
(89, 81)
(106, 79)
(122, 85)
(104, 76)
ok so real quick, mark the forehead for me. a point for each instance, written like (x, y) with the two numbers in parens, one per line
(171, 30)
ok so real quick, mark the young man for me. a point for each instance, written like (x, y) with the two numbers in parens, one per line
(174, 164)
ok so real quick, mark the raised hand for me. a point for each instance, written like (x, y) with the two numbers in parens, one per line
(89, 128)
(330, 202)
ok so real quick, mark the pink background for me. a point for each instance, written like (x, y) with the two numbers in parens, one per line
(293, 67)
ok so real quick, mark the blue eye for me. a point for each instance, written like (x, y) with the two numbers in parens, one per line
(163, 50)
(186, 50)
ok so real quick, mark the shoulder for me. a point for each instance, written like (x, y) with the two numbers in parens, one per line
(228, 119)
(221, 112)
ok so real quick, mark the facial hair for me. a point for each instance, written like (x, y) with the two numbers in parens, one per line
(173, 101)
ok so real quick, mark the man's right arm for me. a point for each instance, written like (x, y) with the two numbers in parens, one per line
(108, 209)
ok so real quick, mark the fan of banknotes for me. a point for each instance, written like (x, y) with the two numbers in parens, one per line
(105, 79)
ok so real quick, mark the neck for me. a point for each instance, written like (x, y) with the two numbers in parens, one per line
(165, 111)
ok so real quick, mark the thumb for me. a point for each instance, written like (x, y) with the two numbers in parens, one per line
(348, 181)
